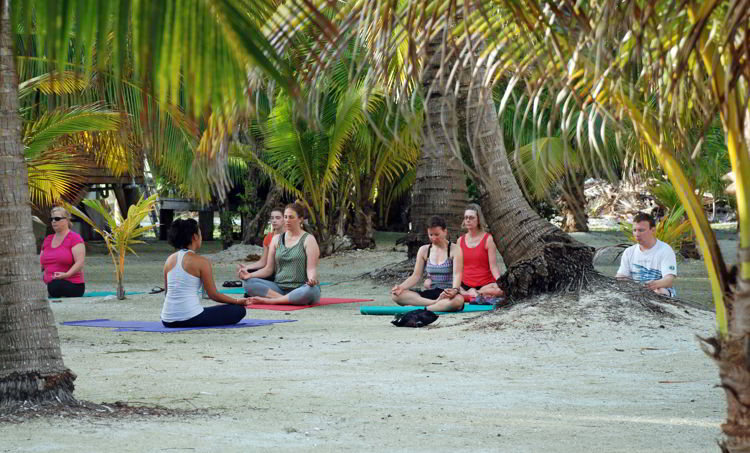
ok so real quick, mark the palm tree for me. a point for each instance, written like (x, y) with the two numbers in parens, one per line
(381, 150)
(202, 55)
(439, 186)
(686, 60)
(305, 159)
(31, 365)
(652, 64)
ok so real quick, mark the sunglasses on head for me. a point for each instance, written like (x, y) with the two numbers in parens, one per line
(57, 219)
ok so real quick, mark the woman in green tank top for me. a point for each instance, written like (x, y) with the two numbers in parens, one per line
(293, 255)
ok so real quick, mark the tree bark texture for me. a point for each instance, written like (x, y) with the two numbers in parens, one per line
(732, 356)
(363, 229)
(440, 185)
(538, 255)
(255, 226)
(31, 365)
(732, 353)
(573, 202)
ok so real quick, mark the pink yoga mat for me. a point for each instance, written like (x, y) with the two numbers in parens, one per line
(323, 301)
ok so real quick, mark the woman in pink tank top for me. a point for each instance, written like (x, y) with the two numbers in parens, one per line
(62, 257)
(479, 252)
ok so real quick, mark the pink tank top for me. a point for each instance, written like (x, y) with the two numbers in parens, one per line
(60, 258)
(476, 263)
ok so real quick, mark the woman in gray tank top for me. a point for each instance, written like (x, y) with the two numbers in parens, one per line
(293, 256)
(444, 263)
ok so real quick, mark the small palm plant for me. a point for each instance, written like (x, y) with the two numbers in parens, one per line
(122, 234)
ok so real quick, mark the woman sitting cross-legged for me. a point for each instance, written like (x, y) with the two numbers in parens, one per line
(444, 264)
(62, 257)
(480, 271)
(184, 272)
(293, 255)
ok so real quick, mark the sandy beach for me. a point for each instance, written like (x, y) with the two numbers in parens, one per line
(551, 374)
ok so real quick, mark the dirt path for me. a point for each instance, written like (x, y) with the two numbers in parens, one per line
(530, 379)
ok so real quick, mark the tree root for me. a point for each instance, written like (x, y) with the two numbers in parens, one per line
(563, 263)
(26, 410)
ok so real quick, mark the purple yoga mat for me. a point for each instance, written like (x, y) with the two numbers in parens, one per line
(157, 326)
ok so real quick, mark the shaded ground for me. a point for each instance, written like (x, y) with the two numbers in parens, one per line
(543, 376)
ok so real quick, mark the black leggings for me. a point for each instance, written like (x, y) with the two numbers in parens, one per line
(218, 315)
(64, 288)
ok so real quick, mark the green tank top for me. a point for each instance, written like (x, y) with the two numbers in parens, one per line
(291, 264)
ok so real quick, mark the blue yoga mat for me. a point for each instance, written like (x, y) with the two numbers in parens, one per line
(157, 326)
(393, 310)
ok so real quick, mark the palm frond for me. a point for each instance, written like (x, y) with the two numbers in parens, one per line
(51, 126)
(213, 43)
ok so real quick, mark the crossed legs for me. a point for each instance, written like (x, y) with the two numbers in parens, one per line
(413, 298)
(267, 292)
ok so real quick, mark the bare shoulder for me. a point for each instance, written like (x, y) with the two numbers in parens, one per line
(200, 260)
(171, 260)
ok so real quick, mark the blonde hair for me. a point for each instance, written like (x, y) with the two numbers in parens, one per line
(65, 213)
(480, 217)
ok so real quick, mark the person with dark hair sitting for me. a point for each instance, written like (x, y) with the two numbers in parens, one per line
(293, 256)
(276, 219)
(184, 273)
(650, 262)
(443, 262)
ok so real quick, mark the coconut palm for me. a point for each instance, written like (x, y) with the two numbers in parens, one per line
(655, 66)
(304, 159)
(55, 150)
(374, 159)
(122, 232)
(202, 54)
(685, 58)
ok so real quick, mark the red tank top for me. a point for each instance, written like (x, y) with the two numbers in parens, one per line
(476, 264)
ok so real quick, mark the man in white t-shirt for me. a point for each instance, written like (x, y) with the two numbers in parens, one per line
(650, 261)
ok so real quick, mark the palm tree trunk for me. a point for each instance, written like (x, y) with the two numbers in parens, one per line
(31, 365)
(731, 356)
(440, 185)
(538, 255)
(573, 203)
(732, 353)
(256, 225)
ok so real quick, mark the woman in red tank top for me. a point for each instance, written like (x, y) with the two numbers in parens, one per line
(479, 252)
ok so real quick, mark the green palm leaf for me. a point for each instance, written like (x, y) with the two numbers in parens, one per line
(51, 126)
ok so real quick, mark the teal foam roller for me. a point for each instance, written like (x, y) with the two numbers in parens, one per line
(393, 310)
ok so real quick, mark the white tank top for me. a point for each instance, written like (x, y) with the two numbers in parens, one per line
(181, 301)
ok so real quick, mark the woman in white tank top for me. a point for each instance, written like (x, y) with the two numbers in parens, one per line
(184, 274)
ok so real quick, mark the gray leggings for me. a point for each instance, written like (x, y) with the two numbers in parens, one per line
(300, 296)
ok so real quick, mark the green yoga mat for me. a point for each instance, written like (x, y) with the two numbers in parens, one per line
(102, 294)
(109, 293)
(393, 310)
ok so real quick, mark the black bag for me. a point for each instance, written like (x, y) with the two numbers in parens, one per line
(415, 318)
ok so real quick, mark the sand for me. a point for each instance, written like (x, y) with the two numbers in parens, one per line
(551, 374)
